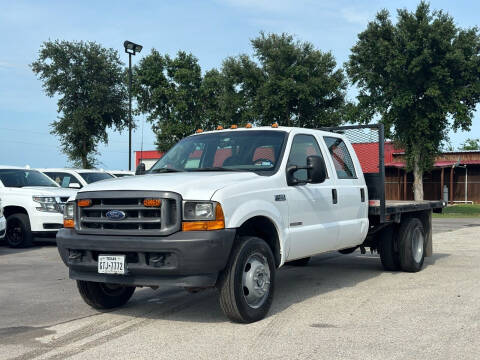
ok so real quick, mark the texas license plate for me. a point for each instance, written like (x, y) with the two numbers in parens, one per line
(111, 264)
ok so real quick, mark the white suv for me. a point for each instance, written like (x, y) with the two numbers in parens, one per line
(32, 205)
(3, 222)
(76, 178)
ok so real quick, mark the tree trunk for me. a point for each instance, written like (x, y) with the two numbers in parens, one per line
(84, 156)
(417, 179)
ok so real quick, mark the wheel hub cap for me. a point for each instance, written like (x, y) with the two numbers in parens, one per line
(256, 280)
(417, 245)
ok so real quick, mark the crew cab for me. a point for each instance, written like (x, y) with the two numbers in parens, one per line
(76, 178)
(227, 208)
(32, 205)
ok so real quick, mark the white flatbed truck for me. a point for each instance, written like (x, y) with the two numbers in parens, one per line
(227, 208)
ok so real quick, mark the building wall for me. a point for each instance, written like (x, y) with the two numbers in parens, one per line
(395, 189)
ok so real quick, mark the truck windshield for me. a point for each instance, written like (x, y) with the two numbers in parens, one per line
(236, 150)
(91, 177)
(20, 178)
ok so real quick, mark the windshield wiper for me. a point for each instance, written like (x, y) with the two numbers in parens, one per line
(165, 170)
(218, 169)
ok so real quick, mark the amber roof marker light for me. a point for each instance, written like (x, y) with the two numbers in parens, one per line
(249, 126)
(275, 125)
(199, 131)
(219, 127)
(233, 127)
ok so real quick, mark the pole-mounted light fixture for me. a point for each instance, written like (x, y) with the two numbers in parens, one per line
(131, 49)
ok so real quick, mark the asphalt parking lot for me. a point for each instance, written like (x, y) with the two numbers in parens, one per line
(340, 306)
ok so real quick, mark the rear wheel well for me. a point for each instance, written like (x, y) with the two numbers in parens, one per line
(264, 228)
(9, 210)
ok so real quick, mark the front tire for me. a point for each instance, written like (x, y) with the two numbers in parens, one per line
(19, 233)
(248, 282)
(411, 241)
(104, 296)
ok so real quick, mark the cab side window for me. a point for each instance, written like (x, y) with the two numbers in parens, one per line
(302, 147)
(341, 158)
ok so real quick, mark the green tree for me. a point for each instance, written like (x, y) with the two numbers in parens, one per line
(471, 144)
(420, 76)
(301, 85)
(92, 96)
(168, 90)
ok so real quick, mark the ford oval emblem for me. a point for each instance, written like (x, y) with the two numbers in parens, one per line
(115, 215)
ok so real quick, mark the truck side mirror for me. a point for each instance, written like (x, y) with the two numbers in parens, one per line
(140, 170)
(316, 169)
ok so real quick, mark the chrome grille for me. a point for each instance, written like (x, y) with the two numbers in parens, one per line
(136, 219)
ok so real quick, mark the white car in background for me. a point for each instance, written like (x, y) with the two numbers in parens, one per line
(3, 222)
(76, 178)
(121, 173)
(32, 205)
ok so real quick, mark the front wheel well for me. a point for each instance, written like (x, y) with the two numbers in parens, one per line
(10, 210)
(264, 228)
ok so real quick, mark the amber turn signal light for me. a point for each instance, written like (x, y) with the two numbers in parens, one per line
(217, 224)
(84, 203)
(152, 202)
(68, 223)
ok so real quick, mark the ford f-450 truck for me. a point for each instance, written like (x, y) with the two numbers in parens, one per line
(227, 208)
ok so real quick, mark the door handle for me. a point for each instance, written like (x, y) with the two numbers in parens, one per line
(362, 194)
(334, 196)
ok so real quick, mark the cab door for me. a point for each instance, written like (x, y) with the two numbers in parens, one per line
(351, 192)
(313, 225)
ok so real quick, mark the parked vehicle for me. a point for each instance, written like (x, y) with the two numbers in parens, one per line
(76, 178)
(228, 208)
(3, 222)
(32, 204)
(121, 173)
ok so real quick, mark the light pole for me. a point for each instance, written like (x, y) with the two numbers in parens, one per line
(131, 49)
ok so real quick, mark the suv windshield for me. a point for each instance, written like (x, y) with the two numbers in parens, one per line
(91, 177)
(19, 178)
(235, 150)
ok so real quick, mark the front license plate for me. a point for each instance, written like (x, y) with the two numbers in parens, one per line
(111, 264)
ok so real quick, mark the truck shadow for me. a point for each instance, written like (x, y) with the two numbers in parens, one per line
(325, 273)
(7, 250)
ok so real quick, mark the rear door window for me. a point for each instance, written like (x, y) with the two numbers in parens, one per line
(341, 158)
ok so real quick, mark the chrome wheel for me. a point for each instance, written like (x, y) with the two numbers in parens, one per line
(417, 244)
(256, 280)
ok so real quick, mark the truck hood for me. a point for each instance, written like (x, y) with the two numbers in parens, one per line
(191, 185)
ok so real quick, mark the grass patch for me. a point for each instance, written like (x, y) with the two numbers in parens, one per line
(460, 211)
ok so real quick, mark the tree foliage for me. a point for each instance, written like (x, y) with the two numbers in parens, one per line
(92, 96)
(301, 85)
(421, 76)
(471, 144)
(168, 90)
(286, 81)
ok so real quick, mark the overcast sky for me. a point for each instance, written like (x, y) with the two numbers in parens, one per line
(211, 30)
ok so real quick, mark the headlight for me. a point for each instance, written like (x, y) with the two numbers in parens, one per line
(198, 211)
(47, 203)
(69, 215)
(202, 215)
